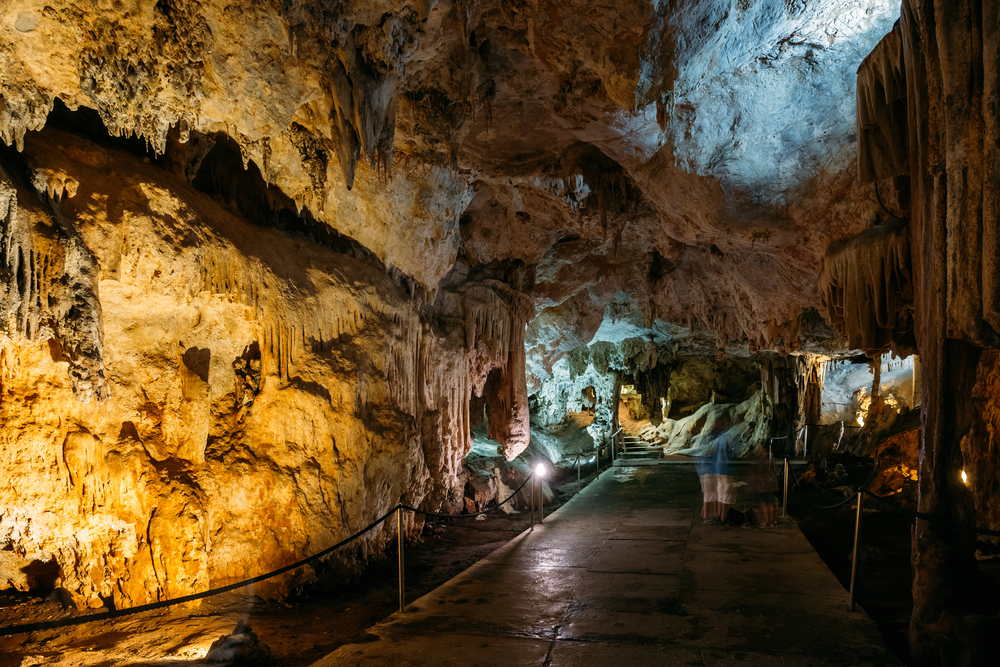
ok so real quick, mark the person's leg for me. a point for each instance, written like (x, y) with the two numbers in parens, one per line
(725, 496)
(713, 509)
(704, 493)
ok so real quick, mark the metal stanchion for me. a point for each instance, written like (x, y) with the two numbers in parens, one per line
(784, 503)
(578, 473)
(854, 559)
(805, 445)
(598, 460)
(533, 500)
(541, 500)
(402, 583)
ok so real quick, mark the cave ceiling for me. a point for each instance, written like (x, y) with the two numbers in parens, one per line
(666, 170)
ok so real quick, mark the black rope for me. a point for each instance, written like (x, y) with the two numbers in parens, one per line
(816, 505)
(465, 516)
(775, 470)
(162, 604)
(968, 527)
(117, 613)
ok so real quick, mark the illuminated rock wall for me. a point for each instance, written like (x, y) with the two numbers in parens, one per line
(188, 399)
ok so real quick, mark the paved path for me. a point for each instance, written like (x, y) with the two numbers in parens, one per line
(625, 574)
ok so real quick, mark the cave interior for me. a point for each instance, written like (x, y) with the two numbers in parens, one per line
(270, 269)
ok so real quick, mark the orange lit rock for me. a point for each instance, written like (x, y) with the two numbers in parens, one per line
(216, 399)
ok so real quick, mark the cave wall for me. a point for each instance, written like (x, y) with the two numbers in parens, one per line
(948, 57)
(566, 391)
(189, 399)
(981, 445)
(847, 385)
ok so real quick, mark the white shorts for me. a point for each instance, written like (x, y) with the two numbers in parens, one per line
(724, 490)
(708, 488)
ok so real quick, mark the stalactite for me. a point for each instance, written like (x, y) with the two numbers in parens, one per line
(881, 111)
(866, 290)
(653, 384)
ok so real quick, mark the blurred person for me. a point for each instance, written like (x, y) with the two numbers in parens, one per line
(709, 512)
(762, 489)
(722, 472)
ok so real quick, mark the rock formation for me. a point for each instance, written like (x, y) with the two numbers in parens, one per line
(190, 399)
(268, 267)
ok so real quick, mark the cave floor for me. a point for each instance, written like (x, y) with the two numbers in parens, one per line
(625, 573)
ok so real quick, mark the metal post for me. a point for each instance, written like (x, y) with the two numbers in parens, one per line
(533, 500)
(541, 500)
(784, 503)
(578, 473)
(598, 460)
(805, 446)
(854, 559)
(402, 584)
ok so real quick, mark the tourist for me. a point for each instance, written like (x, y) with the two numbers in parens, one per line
(703, 465)
(722, 472)
(762, 490)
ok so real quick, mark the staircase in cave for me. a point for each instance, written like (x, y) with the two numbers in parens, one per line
(637, 452)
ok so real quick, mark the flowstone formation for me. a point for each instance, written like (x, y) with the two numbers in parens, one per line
(190, 399)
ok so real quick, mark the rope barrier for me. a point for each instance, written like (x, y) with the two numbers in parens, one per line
(930, 518)
(117, 613)
(162, 604)
(816, 505)
(774, 470)
(796, 434)
(465, 516)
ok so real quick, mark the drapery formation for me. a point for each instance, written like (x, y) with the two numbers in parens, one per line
(948, 53)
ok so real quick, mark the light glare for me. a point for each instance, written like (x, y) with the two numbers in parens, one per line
(965, 478)
(540, 470)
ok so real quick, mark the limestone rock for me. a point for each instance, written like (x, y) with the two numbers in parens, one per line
(190, 400)
(239, 648)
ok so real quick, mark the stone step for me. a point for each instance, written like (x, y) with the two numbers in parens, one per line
(645, 455)
(636, 462)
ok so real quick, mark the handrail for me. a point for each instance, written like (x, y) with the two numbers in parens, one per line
(798, 432)
(859, 496)
(161, 604)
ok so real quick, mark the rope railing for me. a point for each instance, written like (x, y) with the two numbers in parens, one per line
(806, 497)
(609, 442)
(930, 518)
(805, 427)
(162, 604)
(859, 496)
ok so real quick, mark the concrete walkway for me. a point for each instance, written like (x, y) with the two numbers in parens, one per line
(625, 574)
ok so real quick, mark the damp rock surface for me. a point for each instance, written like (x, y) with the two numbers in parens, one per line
(241, 647)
